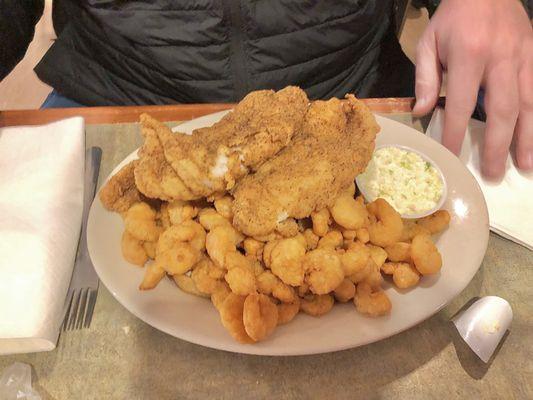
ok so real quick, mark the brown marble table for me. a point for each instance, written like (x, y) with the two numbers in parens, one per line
(121, 357)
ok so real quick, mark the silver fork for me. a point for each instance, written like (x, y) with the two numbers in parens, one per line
(81, 296)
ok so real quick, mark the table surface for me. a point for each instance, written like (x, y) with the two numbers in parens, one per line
(121, 357)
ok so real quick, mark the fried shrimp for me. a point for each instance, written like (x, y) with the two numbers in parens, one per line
(425, 255)
(141, 223)
(287, 311)
(321, 220)
(240, 276)
(133, 250)
(316, 305)
(231, 315)
(207, 276)
(311, 239)
(388, 227)
(260, 316)
(349, 213)
(411, 229)
(323, 270)
(152, 276)
(224, 206)
(332, 240)
(378, 255)
(219, 242)
(269, 284)
(373, 303)
(253, 248)
(186, 284)
(436, 222)
(149, 248)
(405, 276)
(286, 261)
(180, 211)
(400, 251)
(345, 291)
(363, 235)
(355, 259)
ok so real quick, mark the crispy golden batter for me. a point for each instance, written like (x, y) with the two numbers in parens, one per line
(336, 143)
(212, 159)
(120, 192)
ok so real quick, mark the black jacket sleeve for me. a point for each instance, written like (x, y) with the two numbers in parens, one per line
(17, 27)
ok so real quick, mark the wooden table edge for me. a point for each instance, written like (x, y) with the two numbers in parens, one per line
(177, 112)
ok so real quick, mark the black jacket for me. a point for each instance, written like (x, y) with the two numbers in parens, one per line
(178, 51)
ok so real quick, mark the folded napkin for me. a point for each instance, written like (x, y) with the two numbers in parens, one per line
(509, 201)
(41, 201)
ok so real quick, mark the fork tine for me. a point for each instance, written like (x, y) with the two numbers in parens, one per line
(67, 310)
(90, 308)
(74, 310)
(83, 306)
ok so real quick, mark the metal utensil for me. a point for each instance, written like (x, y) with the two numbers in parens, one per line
(483, 325)
(81, 296)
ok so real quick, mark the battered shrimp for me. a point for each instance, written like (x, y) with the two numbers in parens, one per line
(287, 311)
(224, 206)
(269, 284)
(267, 252)
(253, 248)
(288, 228)
(323, 270)
(388, 268)
(240, 276)
(207, 276)
(260, 316)
(149, 248)
(332, 240)
(186, 284)
(219, 242)
(286, 261)
(321, 220)
(219, 295)
(231, 315)
(363, 235)
(209, 218)
(133, 250)
(164, 216)
(371, 302)
(349, 234)
(400, 251)
(311, 239)
(405, 276)
(189, 232)
(355, 259)
(387, 229)
(179, 259)
(378, 255)
(411, 229)
(345, 291)
(425, 255)
(436, 222)
(152, 276)
(349, 213)
(141, 223)
(316, 305)
(180, 211)
(374, 277)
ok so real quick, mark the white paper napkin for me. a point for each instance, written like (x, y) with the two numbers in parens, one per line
(510, 202)
(41, 201)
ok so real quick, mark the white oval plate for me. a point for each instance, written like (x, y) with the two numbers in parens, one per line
(195, 319)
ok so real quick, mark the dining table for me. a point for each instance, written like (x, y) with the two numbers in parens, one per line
(121, 357)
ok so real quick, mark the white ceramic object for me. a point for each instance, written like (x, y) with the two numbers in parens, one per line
(425, 157)
(483, 324)
(195, 319)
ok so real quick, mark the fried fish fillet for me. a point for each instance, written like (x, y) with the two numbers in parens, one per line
(212, 159)
(335, 145)
(154, 176)
(120, 192)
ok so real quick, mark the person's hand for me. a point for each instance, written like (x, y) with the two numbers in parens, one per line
(486, 43)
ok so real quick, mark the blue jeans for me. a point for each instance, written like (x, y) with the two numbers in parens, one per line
(56, 100)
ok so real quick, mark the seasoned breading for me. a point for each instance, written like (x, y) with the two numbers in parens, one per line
(120, 191)
(336, 143)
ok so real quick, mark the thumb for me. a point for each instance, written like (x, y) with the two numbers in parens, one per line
(428, 73)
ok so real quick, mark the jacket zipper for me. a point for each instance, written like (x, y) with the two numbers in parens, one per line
(232, 13)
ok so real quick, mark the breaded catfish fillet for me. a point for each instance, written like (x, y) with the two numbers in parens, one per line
(212, 159)
(335, 144)
(120, 192)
